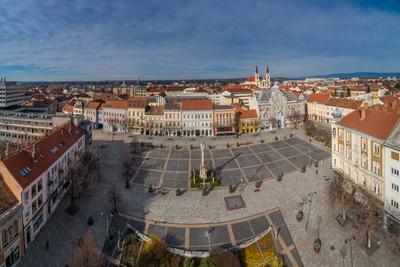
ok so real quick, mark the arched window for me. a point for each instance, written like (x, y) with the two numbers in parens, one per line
(16, 228)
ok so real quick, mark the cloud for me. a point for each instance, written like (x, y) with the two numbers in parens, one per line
(88, 39)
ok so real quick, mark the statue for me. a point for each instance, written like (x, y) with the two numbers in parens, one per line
(203, 170)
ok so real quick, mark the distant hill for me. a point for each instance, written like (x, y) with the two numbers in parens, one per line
(367, 75)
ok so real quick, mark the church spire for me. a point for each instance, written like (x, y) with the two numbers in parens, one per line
(256, 69)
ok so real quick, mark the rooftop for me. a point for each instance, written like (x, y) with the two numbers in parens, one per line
(196, 104)
(7, 198)
(318, 98)
(26, 168)
(370, 121)
(344, 103)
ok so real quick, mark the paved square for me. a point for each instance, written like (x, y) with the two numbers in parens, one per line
(242, 232)
(278, 144)
(288, 152)
(147, 177)
(225, 164)
(153, 164)
(241, 151)
(176, 180)
(221, 153)
(175, 237)
(179, 154)
(300, 160)
(257, 173)
(178, 165)
(259, 225)
(294, 141)
(196, 154)
(157, 230)
(270, 156)
(247, 160)
(281, 166)
(231, 177)
(260, 148)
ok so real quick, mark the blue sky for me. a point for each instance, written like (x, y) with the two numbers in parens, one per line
(179, 39)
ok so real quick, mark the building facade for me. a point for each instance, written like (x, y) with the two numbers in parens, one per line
(172, 119)
(38, 176)
(197, 117)
(224, 120)
(357, 148)
(11, 94)
(22, 128)
(114, 115)
(11, 228)
(136, 115)
(392, 178)
(259, 81)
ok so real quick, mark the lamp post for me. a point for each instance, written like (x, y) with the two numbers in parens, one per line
(348, 240)
(108, 216)
(309, 209)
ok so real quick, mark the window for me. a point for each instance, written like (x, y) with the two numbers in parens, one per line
(364, 144)
(377, 149)
(376, 188)
(334, 132)
(395, 155)
(33, 191)
(395, 187)
(16, 228)
(394, 204)
(40, 185)
(376, 167)
(395, 172)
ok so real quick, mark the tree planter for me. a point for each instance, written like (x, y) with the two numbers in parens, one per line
(317, 245)
(262, 141)
(127, 185)
(178, 192)
(276, 138)
(151, 189)
(280, 177)
(232, 189)
(316, 164)
(299, 216)
(258, 184)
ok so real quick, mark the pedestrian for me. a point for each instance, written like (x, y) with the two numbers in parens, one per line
(47, 245)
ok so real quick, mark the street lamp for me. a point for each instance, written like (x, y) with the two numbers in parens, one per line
(309, 209)
(348, 240)
(108, 216)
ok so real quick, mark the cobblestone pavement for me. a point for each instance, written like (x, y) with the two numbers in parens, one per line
(63, 230)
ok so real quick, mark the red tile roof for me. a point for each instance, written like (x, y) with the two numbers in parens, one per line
(137, 102)
(344, 103)
(248, 114)
(62, 140)
(115, 104)
(318, 98)
(196, 104)
(376, 123)
(94, 105)
(250, 79)
(7, 198)
(69, 107)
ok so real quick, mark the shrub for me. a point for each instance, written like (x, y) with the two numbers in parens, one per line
(276, 138)
(205, 262)
(189, 262)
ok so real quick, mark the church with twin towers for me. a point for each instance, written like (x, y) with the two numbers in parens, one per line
(258, 80)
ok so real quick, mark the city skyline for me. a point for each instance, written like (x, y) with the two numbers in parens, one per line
(86, 40)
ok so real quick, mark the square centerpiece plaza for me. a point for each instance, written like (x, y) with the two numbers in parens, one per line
(171, 167)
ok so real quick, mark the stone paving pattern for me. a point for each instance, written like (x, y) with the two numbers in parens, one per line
(63, 231)
(170, 167)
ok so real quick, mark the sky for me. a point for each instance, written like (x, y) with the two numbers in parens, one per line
(193, 39)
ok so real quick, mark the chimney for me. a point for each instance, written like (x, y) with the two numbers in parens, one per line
(33, 151)
(7, 149)
(362, 113)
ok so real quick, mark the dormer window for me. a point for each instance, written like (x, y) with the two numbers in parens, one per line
(54, 150)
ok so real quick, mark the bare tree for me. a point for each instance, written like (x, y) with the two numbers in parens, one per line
(337, 193)
(86, 254)
(273, 122)
(310, 127)
(296, 118)
(370, 219)
(126, 164)
(114, 196)
(222, 258)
